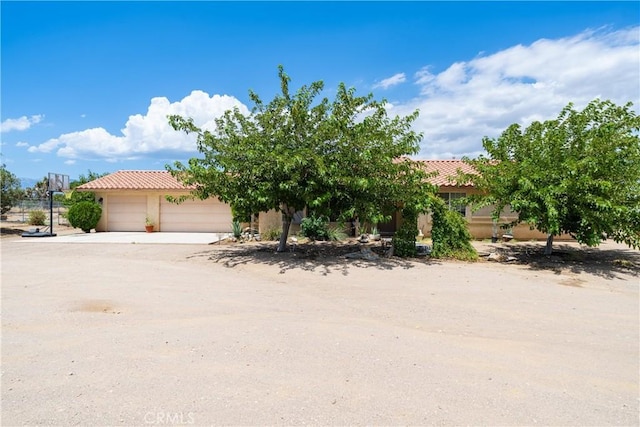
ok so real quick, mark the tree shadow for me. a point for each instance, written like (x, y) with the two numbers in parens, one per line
(320, 257)
(602, 262)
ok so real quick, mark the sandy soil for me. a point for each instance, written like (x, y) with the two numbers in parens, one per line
(116, 334)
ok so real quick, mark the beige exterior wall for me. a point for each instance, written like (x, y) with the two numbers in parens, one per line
(154, 199)
(272, 220)
(269, 221)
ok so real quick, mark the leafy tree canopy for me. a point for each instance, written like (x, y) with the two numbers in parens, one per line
(11, 190)
(577, 174)
(344, 158)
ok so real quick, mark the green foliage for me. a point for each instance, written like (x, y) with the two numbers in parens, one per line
(336, 234)
(315, 228)
(84, 215)
(11, 193)
(73, 197)
(236, 229)
(271, 234)
(344, 158)
(404, 241)
(449, 233)
(37, 217)
(577, 174)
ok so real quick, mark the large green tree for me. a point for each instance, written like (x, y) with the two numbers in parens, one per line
(343, 158)
(577, 174)
(11, 190)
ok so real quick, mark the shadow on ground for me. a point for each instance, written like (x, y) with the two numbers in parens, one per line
(605, 263)
(322, 257)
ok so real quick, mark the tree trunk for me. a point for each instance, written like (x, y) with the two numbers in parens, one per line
(286, 224)
(547, 249)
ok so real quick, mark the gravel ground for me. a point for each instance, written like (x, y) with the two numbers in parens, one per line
(130, 334)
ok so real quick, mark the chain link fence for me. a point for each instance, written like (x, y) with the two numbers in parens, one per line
(20, 212)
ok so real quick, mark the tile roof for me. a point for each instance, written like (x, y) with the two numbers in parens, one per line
(135, 180)
(163, 180)
(447, 171)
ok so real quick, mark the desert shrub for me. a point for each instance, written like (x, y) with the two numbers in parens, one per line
(236, 229)
(336, 234)
(37, 217)
(84, 215)
(315, 228)
(449, 233)
(271, 234)
(404, 241)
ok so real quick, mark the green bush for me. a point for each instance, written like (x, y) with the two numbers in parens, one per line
(271, 234)
(450, 235)
(37, 217)
(315, 228)
(336, 234)
(84, 215)
(236, 229)
(404, 241)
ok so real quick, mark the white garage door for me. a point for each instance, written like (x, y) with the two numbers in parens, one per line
(211, 216)
(126, 213)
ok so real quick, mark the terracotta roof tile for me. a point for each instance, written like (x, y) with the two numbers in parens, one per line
(135, 180)
(447, 171)
(163, 180)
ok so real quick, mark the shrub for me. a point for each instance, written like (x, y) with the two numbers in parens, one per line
(236, 229)
(404, 241)
(336, 234)
(84, 215)
(315, 228)
(10, 191)
(450, 235)
(37, 217)
(271, 234)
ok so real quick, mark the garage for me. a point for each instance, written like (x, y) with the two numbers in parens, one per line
(209, 216)
(126, 213)
(132, 197)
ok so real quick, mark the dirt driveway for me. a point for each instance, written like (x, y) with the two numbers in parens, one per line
(130, 334)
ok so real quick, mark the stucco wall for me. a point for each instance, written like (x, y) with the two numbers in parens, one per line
(153, 202)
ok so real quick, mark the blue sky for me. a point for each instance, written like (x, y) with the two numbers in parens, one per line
(88, 85)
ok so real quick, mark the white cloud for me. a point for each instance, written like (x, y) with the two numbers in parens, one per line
(144, 134)
(484, 95)
(394, 80)
(22, 144)
(69, 162)
(21, 123)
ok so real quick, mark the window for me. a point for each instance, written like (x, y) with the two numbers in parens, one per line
(453, 200)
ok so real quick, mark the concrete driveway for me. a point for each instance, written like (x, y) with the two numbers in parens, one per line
(132, 237)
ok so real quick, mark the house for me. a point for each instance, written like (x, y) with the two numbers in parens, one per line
(129, 197)
(480, 223)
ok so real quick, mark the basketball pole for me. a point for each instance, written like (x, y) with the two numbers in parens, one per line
(51, 212)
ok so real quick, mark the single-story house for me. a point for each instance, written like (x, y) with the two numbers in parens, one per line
(130, 197)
